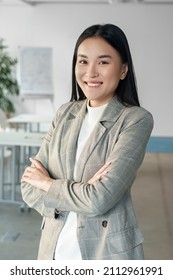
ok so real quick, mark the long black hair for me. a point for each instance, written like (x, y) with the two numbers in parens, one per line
(126, 91)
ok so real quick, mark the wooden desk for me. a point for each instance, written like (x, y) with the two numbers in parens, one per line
(15, 141)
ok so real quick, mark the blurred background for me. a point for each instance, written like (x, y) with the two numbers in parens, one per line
(37, 43)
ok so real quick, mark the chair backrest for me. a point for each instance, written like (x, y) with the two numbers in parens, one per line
(3, 120)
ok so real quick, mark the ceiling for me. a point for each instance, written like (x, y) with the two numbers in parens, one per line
(39, 2)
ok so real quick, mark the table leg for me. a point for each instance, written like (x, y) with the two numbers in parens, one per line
(13, 174)
(1, 172)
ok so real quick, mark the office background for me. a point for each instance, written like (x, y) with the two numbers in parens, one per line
(148, 29)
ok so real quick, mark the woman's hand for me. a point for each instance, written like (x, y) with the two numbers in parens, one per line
(100, 174)
(37, 176)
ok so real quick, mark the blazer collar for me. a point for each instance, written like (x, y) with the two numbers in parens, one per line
(113, 110)
(111, 113)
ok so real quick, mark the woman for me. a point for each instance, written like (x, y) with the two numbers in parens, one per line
(80, 180)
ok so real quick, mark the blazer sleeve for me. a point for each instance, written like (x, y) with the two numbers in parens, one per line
(96, 199)
(35, 197)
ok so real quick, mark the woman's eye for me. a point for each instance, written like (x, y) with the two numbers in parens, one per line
(82, 62)
(103, 62)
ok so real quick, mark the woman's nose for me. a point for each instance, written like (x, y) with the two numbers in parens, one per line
(92, 71)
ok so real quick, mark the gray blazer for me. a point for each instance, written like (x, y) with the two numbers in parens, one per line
(107, 226)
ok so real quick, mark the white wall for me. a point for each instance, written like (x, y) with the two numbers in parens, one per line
(148, 29)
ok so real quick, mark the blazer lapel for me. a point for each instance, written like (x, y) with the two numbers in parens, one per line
(110, 116)
(70, 136)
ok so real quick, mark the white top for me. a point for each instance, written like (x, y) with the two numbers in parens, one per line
(67, 247)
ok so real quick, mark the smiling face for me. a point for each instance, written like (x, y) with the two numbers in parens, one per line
(98, 70)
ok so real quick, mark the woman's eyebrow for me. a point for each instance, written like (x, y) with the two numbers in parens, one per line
(100, 56)
(105, 56)
(82, 55)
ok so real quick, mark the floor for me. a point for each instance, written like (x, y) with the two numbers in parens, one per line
(153, 200)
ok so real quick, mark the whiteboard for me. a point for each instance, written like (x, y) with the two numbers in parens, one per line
(35, 71)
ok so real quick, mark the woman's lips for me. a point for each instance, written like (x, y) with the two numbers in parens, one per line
(93, 84)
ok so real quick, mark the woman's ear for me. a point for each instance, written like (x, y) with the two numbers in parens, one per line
(124, 71)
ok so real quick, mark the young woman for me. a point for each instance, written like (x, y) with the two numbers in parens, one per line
(80, 180)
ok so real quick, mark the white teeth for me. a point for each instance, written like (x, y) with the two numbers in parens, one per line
(93, 84)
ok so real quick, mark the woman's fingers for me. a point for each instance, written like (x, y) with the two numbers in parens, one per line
(36, 163)
(103, 169)
(36, 170)
(28, 172)
(36, 178)
(100, 174)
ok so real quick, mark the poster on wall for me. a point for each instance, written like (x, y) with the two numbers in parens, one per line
(35, 71)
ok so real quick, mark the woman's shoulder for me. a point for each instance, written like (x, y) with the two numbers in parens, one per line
(68, 109)
(137, 114)
(70, 106)
(131, 112)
